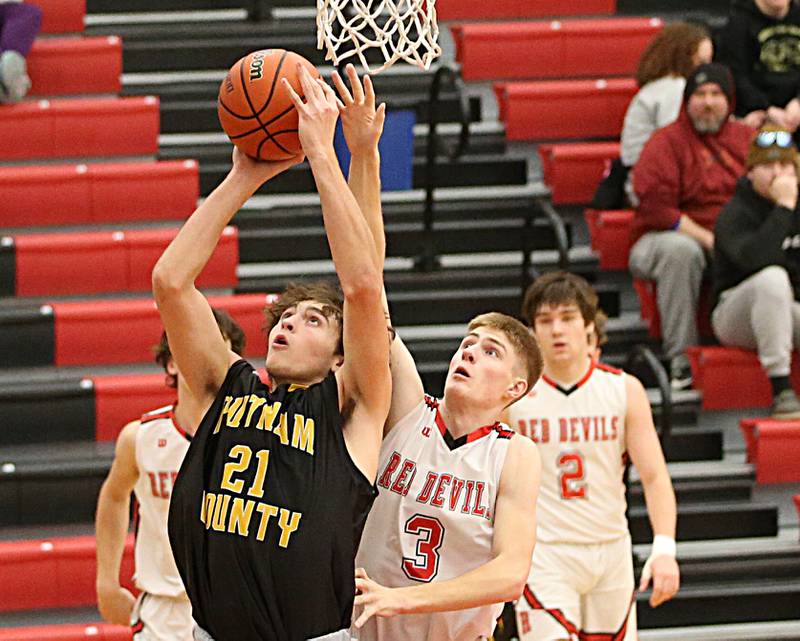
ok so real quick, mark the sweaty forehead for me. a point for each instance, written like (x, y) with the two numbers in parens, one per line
(489, 333)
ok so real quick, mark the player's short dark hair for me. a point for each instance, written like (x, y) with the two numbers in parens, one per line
(324, 292)
(521, 339)
(600, 321)
(560, 288)
(227, 326)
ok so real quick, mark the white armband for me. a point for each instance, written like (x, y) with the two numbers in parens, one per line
(662, 546)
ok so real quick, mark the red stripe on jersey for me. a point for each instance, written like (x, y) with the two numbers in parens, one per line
(577, 385)
(619, 635)
(168, 413)
(474, 435)
(557, 614)
(609, 369)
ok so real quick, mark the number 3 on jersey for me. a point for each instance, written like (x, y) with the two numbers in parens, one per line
(429, 534)
(572, 475)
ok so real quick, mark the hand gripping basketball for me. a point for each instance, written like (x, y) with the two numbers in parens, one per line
(317, 115)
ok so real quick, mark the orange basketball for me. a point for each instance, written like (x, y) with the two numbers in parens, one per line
(254, 107)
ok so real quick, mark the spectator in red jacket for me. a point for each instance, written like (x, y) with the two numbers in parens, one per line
(686, 173)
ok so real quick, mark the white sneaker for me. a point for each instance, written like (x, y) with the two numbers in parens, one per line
(14, 80)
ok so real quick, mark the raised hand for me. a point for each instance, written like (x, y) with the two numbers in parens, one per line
(318, 114)
(260, 171)
(361, 121)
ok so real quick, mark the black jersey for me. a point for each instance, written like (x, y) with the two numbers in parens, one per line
(267, 513)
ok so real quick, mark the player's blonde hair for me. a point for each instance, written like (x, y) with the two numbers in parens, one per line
(521, 339)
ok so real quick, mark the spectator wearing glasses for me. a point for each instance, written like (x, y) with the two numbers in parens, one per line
(686, 173)
(757, 264)
(762, 47)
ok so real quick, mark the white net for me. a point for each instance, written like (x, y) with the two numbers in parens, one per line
(399, 29)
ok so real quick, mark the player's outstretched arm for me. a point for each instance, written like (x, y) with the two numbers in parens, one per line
(365, 381)
(501, 579)
(362, 124)
(644, 449)
(111, 527)
(194, 337)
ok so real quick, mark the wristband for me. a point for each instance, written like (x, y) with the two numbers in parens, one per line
(663, 545)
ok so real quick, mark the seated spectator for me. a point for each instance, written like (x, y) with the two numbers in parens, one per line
(663, 68)
(686, 173)
(757, 264)
(19, 25)
(762, 44)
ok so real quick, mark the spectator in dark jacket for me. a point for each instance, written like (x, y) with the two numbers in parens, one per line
(757, 264)
(686, 173)
(762, 45)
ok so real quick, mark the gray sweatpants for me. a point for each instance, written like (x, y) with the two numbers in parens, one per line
(676, 262)
(760, 313)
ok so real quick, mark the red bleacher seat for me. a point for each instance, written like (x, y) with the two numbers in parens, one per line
(564, 109)
(732, 378)
(480, 9)
(108, 261)
(124, 331)
(556, 49)
(773, 447)
(68, 632)
(79, 128)
(53, 573)
(61, 16)
(98, 193)
(124, 398)
(573, 170)
(63, 66)
(610, 231)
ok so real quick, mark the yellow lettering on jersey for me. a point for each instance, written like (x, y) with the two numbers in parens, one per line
(220, 512)
(223, 413)
(236, 411)
(288, 525)
(255, 403)
(296, 386)
(268, 416)
(282, 430)
(266, 512)
(303, 434)
(206, 508)
(241, 513)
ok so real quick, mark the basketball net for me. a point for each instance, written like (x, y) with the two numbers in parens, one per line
(399, 29)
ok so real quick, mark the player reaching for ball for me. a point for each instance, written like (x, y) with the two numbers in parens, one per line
(269, 505)
(452, 530)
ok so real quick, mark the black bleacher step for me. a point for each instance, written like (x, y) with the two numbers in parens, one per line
(470, 170)
(59, 616)
(54, 483)
(27, 334)
(694, 444)
(756, 563)
(712, 521)
(190, 116)
(700, 492)
(737, 602)
(400, 207)
(404, 239)
(135, 6)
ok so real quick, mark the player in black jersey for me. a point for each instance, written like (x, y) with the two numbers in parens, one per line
(269, 505)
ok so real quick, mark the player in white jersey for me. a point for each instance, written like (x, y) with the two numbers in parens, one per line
(586, 419)
(149, 453)
(450, 535)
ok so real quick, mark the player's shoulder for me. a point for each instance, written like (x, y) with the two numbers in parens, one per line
(607, 369)
(126, 441)
(522, 453)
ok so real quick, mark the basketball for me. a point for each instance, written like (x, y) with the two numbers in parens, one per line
(254, 108)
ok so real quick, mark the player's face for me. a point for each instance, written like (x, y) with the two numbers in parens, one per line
(484, 367)
(561, 332)
(302, 344)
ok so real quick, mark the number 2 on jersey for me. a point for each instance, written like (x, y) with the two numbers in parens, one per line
(429, 533)
(572, 475)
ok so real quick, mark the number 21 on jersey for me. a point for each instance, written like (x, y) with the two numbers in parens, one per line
(572, 476)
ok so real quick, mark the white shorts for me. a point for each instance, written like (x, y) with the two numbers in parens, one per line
(162, 618)
(579, 592)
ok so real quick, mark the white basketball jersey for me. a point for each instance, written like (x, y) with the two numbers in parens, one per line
(160, 447)
(580, 433)
(433, 520)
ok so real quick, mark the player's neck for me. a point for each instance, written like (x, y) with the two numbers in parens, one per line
(569, 372)
(462, 418)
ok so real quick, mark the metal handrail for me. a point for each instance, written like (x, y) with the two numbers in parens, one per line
(645, 355)
(546, 209)
(429, 260)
